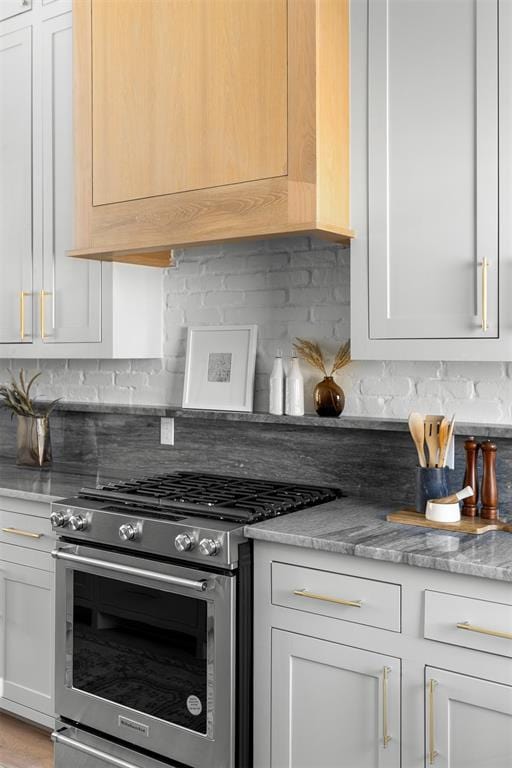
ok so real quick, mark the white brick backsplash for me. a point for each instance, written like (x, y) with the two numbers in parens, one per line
(288, 287)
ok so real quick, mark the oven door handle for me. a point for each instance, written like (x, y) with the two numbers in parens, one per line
(128, 570)
(59, 738)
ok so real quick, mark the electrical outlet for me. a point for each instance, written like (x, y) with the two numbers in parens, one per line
(166, 431)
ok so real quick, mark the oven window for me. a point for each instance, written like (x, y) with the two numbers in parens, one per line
(142, 648)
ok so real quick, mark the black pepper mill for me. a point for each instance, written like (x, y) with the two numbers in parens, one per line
(489, 484)
(470, 505)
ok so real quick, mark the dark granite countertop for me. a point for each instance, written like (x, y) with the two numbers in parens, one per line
(355, 527)
(47, 485)
(348, 526)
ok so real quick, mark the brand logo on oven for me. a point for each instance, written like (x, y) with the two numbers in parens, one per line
(125, 722)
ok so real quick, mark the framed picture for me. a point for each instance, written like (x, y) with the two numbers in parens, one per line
(219, 372)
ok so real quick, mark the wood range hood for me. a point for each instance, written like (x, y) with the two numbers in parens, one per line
(230, 123)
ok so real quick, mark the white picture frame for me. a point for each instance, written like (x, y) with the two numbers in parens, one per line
(220, 367)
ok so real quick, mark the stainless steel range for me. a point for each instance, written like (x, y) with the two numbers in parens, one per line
(154, 619)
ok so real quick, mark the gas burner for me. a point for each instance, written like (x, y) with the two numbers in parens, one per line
(221, 497)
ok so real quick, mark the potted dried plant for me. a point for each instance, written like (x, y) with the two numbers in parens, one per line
(328, 396)
(33, 433)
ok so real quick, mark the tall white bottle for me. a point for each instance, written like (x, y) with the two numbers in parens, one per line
(294, 389)
(276, 385)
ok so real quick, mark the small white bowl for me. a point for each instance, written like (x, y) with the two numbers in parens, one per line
(442, 513)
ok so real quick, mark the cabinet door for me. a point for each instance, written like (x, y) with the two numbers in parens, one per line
(26, 639)
(16, 186)
(432, 168)
(70, 307)
(469, 721)
(225, 66)
(331, 707)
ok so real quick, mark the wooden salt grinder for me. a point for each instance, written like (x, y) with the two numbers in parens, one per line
(489, 485)
(470, 505)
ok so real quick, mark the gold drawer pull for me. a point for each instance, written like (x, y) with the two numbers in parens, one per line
(327, 599)
(484, 631)
(18, 532)
(386, 738)
(432, 752)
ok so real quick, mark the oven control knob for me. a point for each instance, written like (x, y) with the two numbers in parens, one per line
(77, 523)
(183, 542)
(208, 547)
(128, 532)
(58, 519)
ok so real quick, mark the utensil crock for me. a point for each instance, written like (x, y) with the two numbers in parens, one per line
(431, 483)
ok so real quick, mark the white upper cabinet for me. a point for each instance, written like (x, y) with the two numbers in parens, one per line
(71, 303)
(431, 153)
(16, 186)
(51, 305)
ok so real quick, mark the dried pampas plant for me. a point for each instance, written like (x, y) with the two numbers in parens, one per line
(310, 352)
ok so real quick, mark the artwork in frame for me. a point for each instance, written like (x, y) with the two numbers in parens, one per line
(219, 373)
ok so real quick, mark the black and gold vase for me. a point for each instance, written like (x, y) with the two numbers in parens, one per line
(329, 398)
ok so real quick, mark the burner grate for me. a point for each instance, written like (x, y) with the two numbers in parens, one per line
(222, 497)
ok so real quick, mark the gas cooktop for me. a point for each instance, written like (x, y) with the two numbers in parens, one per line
(192, 516)
(214, 496)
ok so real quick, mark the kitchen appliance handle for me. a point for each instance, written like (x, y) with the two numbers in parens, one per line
(59, 738)
(128, 570)
(483, 631)
(327, 598)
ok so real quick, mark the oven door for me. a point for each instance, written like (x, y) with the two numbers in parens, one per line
(145, 652)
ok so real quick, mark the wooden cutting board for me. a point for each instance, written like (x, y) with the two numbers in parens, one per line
(466, 525)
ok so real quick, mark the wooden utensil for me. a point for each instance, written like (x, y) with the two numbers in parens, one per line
(449, 436)
(432, 424)
(417, 430)
(443, 438)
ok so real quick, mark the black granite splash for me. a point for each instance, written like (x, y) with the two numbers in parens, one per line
(369, 464)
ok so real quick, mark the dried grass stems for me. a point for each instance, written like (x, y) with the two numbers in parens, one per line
(310, 352)
(16, 397)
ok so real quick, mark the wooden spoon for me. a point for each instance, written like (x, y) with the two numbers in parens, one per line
(417, 430)
(432, 424)
(443, 436)
(442, 456)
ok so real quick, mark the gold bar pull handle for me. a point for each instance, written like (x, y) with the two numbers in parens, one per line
(386, 738)
(42, 325)
(19, 532)
(432, 752)
(483, 631)
(327, 599)
(485, 269)
(23, 295)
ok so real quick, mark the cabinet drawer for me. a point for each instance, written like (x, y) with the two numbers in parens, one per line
(26, 531)
(468, 622)
(362, 601)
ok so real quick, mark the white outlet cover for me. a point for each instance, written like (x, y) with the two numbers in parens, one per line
(166, 431)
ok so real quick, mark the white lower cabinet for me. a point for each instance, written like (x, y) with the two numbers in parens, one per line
(332, 690)
(333, 706)
(26, 596)
(469, 721)
(26, 611)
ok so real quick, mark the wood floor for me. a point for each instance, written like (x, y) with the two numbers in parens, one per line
(23, 746)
